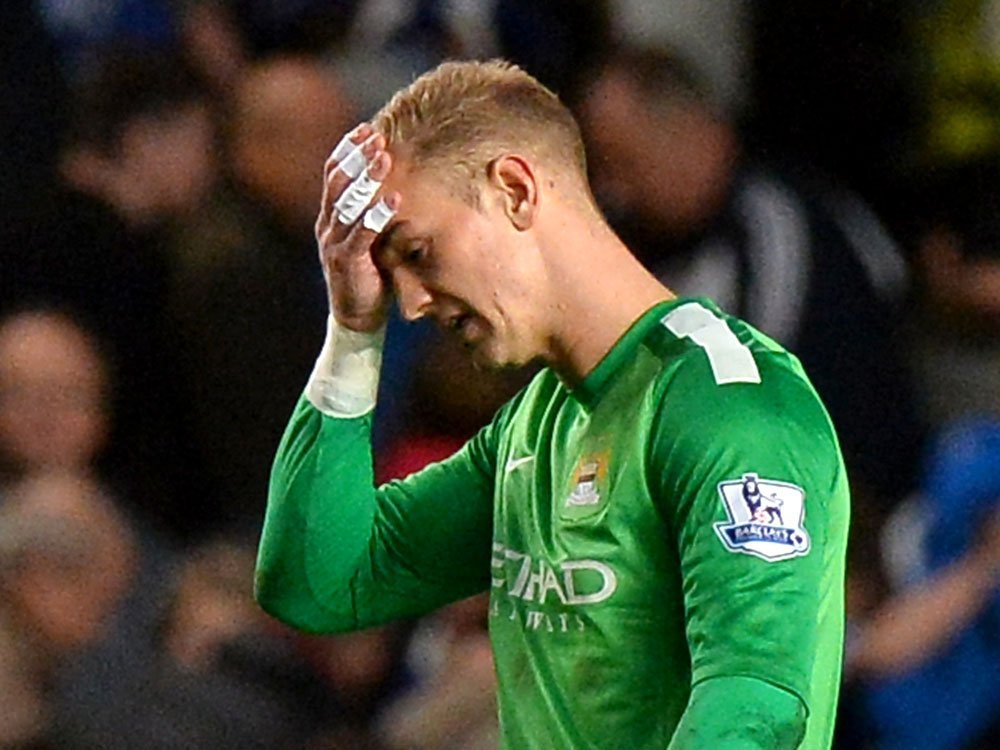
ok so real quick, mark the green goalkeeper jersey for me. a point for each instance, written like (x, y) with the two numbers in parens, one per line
(679, 516)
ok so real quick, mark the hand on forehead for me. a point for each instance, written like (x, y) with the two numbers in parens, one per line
(361, 156)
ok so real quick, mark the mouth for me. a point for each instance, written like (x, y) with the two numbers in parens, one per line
(456, 322)
(464, 326)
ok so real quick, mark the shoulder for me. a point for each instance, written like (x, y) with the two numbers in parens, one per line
(701, 346)
(721, 377)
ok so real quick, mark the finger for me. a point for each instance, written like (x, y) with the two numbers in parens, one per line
(342, 150)
(336, 181)
(377, 216)
(357, 159)
(359, 194)
(347, 144)
(355, 199)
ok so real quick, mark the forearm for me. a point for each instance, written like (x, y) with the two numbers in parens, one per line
(740, 713)
(319, 521)
(321, 499)
(338, 553)
(915, 624)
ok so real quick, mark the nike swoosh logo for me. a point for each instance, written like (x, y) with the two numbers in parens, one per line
(513, 463)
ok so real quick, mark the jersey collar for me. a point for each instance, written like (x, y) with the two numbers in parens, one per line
(589, 391)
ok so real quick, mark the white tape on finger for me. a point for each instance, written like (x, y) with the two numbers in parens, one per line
(351, 156)
(355, 162)
(356, 198)
(343, 149)
(377, 216)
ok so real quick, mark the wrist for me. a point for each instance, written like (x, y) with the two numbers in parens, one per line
(371, 324)
(344, 380)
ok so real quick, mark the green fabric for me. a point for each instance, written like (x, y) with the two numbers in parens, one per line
(598, 519)
(740, 713)
(335, 555)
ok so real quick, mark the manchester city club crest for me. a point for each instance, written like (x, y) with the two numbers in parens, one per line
(765, 518)
(585, 491)
(588, 483)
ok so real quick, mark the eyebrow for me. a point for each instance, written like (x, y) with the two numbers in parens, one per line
(390, 235)
(386, 239)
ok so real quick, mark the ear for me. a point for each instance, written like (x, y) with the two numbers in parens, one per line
(515, 178)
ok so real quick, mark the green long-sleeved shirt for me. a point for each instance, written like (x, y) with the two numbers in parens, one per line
(664, 544)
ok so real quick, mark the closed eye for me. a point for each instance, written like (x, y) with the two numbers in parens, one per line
(416, 255)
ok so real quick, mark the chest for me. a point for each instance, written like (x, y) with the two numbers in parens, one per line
(575, 518)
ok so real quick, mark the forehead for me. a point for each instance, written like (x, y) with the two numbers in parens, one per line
(414, 181)
(428, 195)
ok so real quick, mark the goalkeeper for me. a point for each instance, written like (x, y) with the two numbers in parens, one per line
(660, 516)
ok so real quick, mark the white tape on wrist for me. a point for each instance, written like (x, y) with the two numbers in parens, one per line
(377, 216)
(344, 381)
(356, 198)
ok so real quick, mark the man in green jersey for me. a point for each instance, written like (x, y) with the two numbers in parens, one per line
(660, 516)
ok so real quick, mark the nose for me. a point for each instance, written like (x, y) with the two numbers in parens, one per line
(411, 295)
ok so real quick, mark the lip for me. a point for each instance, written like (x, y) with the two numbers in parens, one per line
(456, 321)
(466, 326)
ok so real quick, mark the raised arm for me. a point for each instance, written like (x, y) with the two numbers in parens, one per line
(337, 553)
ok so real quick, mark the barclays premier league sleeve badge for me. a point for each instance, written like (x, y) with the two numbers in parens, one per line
(765, 518)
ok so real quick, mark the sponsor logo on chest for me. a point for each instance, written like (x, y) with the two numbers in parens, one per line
(571, 582)
(550, 597)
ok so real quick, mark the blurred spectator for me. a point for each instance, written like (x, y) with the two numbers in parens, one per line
(959, 42)
(954, 339)
(33, 117)
(54, 418)
(554, 40)
(927, 660)
(140, 158)
(836, 86)
(443, 401)
(83, 28)
(54, 395)
(453, 704)
(211, 604)
(62, 574)
(207, 675)
(284, 116)
(142, 139)
(125, 590)
(247, 302)
(806, 263)
(716, 35)
(214, 43)
(361, 672)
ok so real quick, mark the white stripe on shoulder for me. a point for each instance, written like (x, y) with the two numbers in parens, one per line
(731, 361)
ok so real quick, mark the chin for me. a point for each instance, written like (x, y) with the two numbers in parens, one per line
(489, 358)
(485, 359)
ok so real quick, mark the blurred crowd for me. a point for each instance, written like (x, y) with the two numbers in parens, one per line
(828, 171)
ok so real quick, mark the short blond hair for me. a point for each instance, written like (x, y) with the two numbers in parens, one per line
(462, 115)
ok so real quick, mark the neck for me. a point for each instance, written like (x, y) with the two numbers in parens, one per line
(602, 290)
